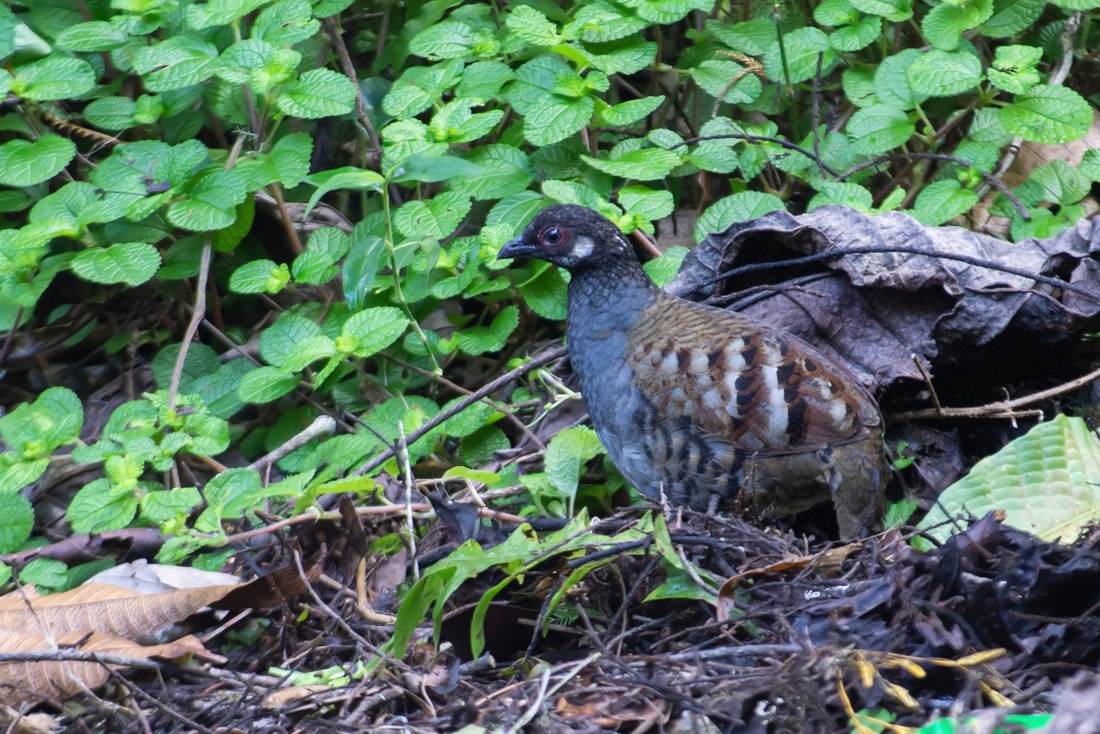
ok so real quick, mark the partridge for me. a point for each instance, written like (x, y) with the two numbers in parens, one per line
(704, 407)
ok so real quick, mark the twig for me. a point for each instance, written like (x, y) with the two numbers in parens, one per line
(322, 425)
(410, 528)
(928, 382)
(348, 67)
(1001, 409)
(461, 405)
(193, 326)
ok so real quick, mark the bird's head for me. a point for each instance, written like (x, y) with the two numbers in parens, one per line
(570, 236)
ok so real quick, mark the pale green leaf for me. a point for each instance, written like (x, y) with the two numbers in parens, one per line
(131, 263)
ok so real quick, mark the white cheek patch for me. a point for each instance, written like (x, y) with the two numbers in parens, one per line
(583, 246)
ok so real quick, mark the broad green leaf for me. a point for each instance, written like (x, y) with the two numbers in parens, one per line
(627, 113)
(735, 208)
(34, 430)
(428, 168)
(317, 265)
(859, 86)
(892, 85)
(532, 26)
(802, 48)
(945, 23)
(942, 201)
(131, 263)
(879, 128)
(23, 163)
(446, 40)
(167, 505)
(855, 37)
(437, 218)
(347, 177)
(98, 507)
(896, 11)
(727, 80)
(278, 341)
(546, 294)
(1060, 183)
(1012, 16)
(289, 159)
(52, 78)
(566, 455)
(317, 93)
(309, 351)
(361, 266)
(664, 269)
(846, 194)
(601, 21)
(220, 12)
(667, 11)
(111, 113)
(480, 339)
(649, 203)
(265, 384)
(285, 23)
(1047, 482)
(371, 330)
(211, 200)
(939, 73)
(177, 62)
(16, 521)
(259, 276)
(1048, 114)
(96, 35)
(1014, 68)
(501, 170)
(419, 87)
(644, 164)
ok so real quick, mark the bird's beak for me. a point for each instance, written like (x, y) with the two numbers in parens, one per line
(516, 248)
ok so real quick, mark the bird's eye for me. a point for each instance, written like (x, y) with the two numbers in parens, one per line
(553, 236)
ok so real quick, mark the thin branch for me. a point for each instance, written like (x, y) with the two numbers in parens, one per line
(461, 405)
(193, 326)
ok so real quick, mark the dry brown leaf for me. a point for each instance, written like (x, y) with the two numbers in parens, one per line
(34, 680)
(104, 608)
(293, 694)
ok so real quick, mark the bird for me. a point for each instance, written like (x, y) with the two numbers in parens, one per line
(702, 407)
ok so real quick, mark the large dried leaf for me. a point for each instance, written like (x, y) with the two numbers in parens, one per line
(104, 608)
(34, 680)
(1047, 482)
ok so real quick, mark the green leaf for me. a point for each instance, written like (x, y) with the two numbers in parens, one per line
(939, 73)
(501, 171)
(546, 294)
(371, 330)
(446, 40)
(858, 36)
(34, 430)
(278, 341)
(438, 218)
(1012, 16)
(895, 11)
(566, 455)
(285, 23)
(843, 193)
(664, 269)
(361, 266)
(165, 506)
(667, 11)
(178, 62)
(1047, 482)
(1014, 68)
(480, 339)
(727, 80)
(52, 78)
(131, 263)
(211, 200)
(317, 93)
(627, 113)
(98, 507)
(892, 85)
(646, 202)
(532, 26)
(859, 86)
(260, 276)
(802, 48)
(16, 521)
(220, 12)
(879, 128)
(942, 201)
(1048, 114)
(24, 164)
(735, 208)
(645, 164)
(419, 87)
(96, 35)
(110, 113)
(289, 159)
(346, 177)
(946, 22)
(549, 116)
(428, 168)
(600, 21)
(265, 384)
(1060, 182)
(317, 265)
